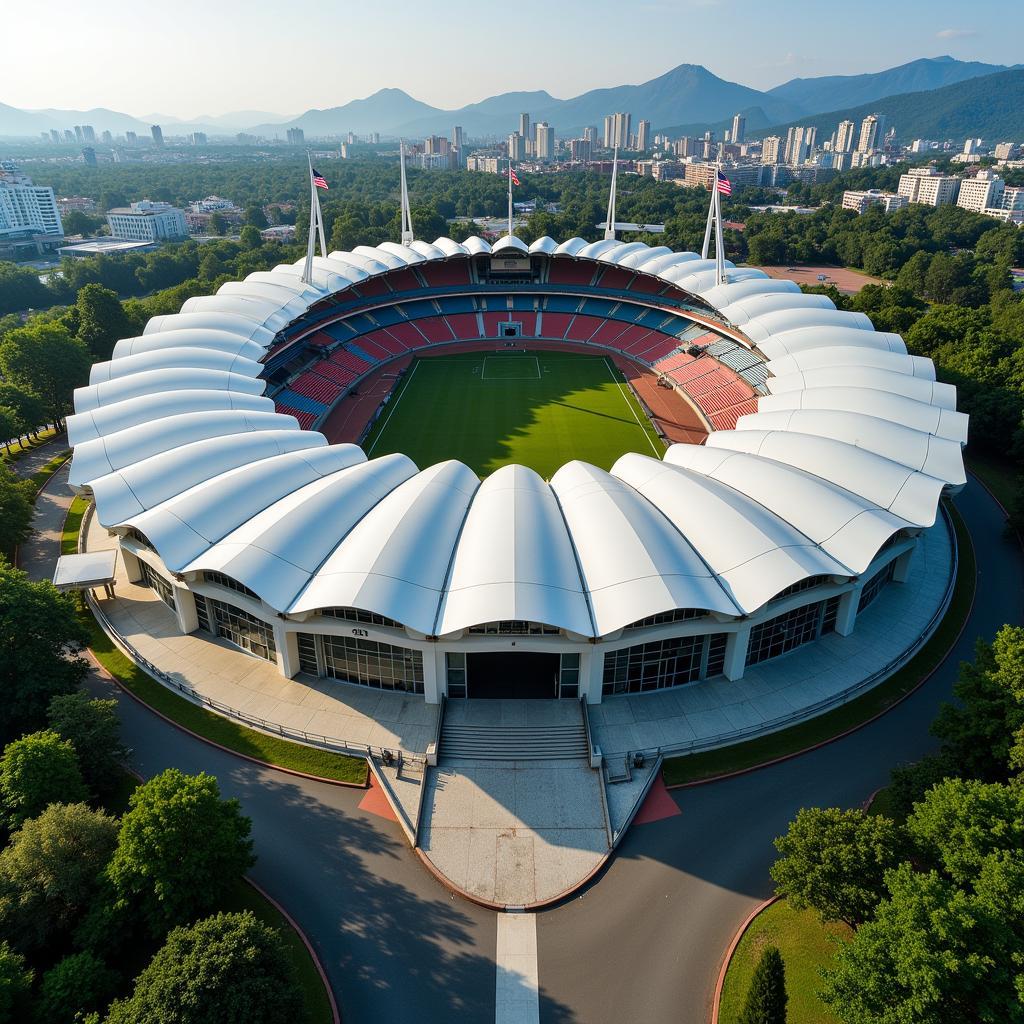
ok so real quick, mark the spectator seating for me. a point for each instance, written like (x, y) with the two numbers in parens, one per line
(448, 272)
(569, 271)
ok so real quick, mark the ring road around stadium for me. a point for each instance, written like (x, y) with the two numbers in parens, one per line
(827, 450)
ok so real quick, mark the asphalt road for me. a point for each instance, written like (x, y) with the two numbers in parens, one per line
(642, 944)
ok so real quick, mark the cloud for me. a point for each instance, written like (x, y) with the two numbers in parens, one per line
(955, 33)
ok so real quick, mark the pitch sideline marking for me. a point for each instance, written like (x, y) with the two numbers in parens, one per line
(483, 375)
(629, 404)
(384, 428)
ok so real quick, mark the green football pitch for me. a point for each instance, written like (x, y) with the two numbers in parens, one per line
(488, 409)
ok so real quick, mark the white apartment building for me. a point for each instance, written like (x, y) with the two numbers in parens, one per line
(516, 146)
(872, 132)
(845, 135)
(616, 130)
(544, 141)
(800, 144)
(980, 192)
(862, 201)
(739, 128)
(146, 221)
(1005, 150)
(643, 135)
(771, 148)
(925, 185)
(26, 209)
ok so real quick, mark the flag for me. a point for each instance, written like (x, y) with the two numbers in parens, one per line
(724, 184)
(512, 176)
(319, 180)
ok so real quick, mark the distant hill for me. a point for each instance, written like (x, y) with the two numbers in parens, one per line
(813, 95)
(496, 115)
(380, 112)
(990, 107)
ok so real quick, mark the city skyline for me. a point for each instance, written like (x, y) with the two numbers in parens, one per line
(176, 79)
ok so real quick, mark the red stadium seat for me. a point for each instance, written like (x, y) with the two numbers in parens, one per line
(566, 270)
(450, 272)
(407, 334)
(306, 419)
(554, 325)
(583, 327)
(615, 277)
(435, 329)
(464, 326)
(609, 332)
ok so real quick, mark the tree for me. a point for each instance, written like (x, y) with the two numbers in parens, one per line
(230, 968)
(51, 871)
(38, 627)
(766, 998)
(835, 861)
(46, 359)
(93, 729)
(179, 848)
(77, 984)
(101, 320)
(38, 770)
(10, 426)
(960, 822)
(217, 224)
(25, 405)
(910, 782)
(979, 732)
(15, 986)
(255, 216)
(250, 237)
(15, 510)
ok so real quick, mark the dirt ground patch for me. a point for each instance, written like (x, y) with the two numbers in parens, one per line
(849, 282)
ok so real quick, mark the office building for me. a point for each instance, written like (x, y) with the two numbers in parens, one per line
(846, 133)
(26, 209)
(197, 139)
(146, 221)
(544, 141)
(862, 201)
(739, 128)
(927, 186)
(524, 125)
(982, 191)
(617, 130)
(158, 135)
(295, 137)
(643, 136)
(872, 132)
(457, 139)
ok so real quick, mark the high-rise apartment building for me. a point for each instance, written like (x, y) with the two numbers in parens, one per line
(88, 133)
(643, 136)
(457, 138)
(581, 150)
(927, 186)
(197, 138)
(26, 209)
(516, 147)
(55, 136)
(872, 133)
(739, 128)
(980, 192)
(89, 156)
(131, 138)
(158, 135)
(1005, 150)
(524, 125)
(295, 137)
(771, 149)
(846, 133)
(799, 144)
(616, 130)
(544, 141)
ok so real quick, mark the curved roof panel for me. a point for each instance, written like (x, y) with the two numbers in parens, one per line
(233, 323)
(852, 355)
(763, 326)
(802, 339)
(920, 390)
(160, 381)
(266, 313)
(514, 559)
(220, 341)
(190, 357)
(743, 310)
(545, 244)
(724, 294)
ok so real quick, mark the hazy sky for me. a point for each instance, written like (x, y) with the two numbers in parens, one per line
(195, 57)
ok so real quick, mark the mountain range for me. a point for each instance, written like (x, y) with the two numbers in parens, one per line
(688, 95)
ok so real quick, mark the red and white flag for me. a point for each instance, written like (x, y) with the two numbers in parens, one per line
(319, 180)
(724, 185)
(512, 177)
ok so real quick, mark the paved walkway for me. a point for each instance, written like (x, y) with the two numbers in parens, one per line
(38, 555)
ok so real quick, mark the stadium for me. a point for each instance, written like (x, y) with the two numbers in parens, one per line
(560, 470)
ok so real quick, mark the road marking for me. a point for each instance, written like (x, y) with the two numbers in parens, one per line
(629, 405)
(401, 395)
(516, 999)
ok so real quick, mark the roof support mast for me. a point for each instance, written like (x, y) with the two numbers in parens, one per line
(715, 221)
(316, 226)
(609, 227)
(407, 235)
(510, 197)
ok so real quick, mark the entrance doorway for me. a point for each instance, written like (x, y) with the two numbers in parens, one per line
(517, 675)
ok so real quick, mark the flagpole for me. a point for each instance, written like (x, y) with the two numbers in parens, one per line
(307, 273)
(407, 235)
(719, 237)
(510, 197)
(609, 227)
(711, 216)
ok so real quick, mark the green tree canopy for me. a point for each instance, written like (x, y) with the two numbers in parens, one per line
(160, 868)
(75, 985)
(101, 320)
(94, 730)
(835, 862)
(15, 986)
(250, 237)
(766, 997)
(51, 871)
(35, 771)
(26, 406)
(231, 969)
(38, 625)
(15, 509)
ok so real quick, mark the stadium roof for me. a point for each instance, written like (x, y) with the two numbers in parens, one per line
(854, 442)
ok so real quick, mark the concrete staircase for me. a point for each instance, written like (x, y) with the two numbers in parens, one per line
(564, 738)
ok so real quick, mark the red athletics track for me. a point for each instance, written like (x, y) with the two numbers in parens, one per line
(673, 415)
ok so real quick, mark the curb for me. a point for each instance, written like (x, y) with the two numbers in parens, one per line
(335, 1014)
(748, 921)
(106, 674)
(853, 728)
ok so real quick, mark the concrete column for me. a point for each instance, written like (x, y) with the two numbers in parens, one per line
(902, 571)
(736, 652)
(591, 674)
(287, 643)
(185, 609)
(434, 681)
(847, 614)
(132, 567)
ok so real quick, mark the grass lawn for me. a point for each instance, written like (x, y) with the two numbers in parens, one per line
(16, 453)
(695, 767)
(487, 409)
(882, 804)
(224, 731)
(806, 946)
(43, 473)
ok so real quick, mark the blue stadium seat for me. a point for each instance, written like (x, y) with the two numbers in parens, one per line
(300, 402)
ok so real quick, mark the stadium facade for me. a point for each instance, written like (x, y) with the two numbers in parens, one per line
(828, 450)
